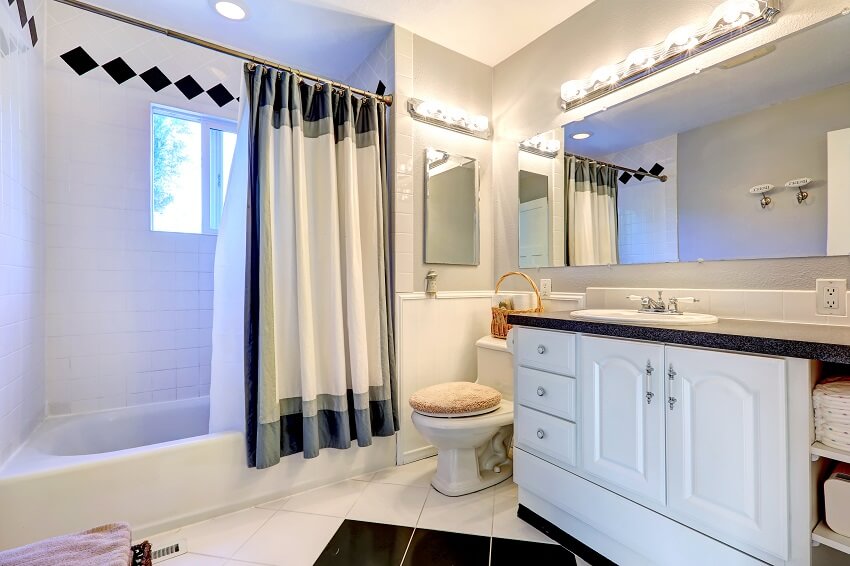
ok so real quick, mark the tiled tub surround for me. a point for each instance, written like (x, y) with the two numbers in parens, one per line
(21, 225)
(128, 310)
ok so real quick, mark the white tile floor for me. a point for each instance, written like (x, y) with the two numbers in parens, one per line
(304, 523)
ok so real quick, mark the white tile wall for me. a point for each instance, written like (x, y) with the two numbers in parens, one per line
(21, 218)
(128, 310)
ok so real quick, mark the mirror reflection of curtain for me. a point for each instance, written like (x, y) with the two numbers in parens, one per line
(591, 213)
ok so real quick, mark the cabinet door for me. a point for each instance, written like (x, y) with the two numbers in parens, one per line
(726, 446)
(622, 417)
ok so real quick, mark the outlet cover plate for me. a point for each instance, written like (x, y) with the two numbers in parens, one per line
(832, 297)
(545, 288)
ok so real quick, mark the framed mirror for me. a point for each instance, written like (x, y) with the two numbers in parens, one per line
(541, 201)
(451, 209)
(747, 159)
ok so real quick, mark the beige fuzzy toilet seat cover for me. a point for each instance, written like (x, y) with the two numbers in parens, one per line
(455, 398)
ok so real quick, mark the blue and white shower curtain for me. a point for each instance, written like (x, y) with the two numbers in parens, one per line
(315, 318)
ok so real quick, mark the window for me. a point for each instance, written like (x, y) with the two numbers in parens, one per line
(191, 155)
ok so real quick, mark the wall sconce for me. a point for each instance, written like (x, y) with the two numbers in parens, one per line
(799, 184)
(763, 190)
(542, 146)
(435, 157)
(730, 20)
(453, 119)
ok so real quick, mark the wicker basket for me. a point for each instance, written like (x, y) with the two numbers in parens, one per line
(499, 324)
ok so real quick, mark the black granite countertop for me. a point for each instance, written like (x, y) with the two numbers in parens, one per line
(806, 341)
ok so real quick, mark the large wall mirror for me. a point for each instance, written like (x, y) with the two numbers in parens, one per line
(747, 159)
(451, 208)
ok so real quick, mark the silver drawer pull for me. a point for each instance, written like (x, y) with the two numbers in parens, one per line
(540, 433)
(541, 349)
(541, 392)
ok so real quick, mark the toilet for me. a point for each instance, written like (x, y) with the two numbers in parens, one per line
(471, 424)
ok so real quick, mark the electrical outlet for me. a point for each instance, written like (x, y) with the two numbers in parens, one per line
(545, 288)
(832, 297)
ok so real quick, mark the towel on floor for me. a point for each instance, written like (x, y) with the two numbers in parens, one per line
(108, 545)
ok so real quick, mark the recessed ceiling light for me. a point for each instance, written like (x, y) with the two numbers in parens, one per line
(581, 135)
(231, 10)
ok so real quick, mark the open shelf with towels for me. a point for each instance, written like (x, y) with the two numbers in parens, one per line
(821, 450)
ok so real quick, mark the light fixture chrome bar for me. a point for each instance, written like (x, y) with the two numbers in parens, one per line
(385, 98)
(710, 41)
(635, 172)
(413, 104)
(540, 152)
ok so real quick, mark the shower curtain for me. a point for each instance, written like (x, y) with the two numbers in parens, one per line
(591, 213)
(302, 276)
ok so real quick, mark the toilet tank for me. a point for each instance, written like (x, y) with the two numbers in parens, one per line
(496, 365)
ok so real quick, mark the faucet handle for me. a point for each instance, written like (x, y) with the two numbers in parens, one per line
(685, 299)
(634, 297)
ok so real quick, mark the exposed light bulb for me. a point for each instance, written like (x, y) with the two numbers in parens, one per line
(572, 89)
(605, 74)
(641, 58)
(230, 10)
(681, 38)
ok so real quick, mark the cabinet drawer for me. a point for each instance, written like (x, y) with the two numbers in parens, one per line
(548, 392)
(546, 435)
(547, 350)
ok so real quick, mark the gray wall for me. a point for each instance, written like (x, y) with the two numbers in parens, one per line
(719, 219)
(532, 186)
(525, 102)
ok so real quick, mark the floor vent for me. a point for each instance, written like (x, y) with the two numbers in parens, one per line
(162, 553)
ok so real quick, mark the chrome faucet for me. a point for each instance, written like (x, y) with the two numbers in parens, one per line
(657, 306)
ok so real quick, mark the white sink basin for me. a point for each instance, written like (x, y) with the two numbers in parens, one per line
(635, 317)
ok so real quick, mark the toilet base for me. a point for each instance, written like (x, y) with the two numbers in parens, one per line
(458, 473)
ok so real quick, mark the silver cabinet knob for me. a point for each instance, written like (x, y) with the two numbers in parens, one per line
(541, 392)
(541, 349)
(540, 433)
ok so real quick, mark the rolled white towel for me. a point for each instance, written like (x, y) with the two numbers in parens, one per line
(524, 302)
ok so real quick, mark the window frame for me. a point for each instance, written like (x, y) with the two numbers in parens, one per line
(211, 170)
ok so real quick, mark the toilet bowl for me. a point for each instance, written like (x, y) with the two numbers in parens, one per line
(473, 449)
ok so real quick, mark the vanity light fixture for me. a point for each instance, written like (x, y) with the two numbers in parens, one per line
(541, 145)
(453, 119)
(799, 184)
(231, 9)
(435, 157)
(730, 20)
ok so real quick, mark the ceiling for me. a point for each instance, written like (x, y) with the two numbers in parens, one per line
(332, 37)
(485, 30)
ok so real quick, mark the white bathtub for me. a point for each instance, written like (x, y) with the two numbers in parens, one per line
(154, 466)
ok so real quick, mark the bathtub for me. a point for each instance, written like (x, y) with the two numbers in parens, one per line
(155, 466)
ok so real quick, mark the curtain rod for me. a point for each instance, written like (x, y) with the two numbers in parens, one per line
(386, 98)
(662, 178)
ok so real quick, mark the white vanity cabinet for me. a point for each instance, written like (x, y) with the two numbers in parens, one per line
(726, 445)
(698, 437)
(622, 414)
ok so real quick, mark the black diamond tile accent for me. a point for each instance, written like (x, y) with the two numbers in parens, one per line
(220, 94)
(437, 548)
(357, 543)
(640, 177)
(33, 32)
(509, 552)
(381, 88)
(625, 177)
(656, 169)
(79, 60)
(189, 87)
(155, 79)
(119, 70)
(22, 12)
